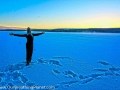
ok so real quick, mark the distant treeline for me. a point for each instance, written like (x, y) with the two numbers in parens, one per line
(102, 30)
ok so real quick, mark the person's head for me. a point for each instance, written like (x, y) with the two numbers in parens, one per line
(28, 30)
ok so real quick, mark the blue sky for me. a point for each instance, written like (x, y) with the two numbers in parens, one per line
(60, 13)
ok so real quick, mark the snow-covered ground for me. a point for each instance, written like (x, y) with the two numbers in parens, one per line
(62, 62)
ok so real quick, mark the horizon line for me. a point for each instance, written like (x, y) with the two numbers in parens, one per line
(22, 28)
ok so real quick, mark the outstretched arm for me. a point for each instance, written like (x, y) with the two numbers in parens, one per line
(19, 35)
(37, 34)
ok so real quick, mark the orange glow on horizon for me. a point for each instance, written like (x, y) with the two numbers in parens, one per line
(89, 22)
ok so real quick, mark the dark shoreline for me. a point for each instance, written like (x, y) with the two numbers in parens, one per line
(98, 30)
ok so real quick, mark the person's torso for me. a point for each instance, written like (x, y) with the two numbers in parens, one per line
(30, 39)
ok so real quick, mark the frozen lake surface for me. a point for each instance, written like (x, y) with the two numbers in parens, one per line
(62, 61)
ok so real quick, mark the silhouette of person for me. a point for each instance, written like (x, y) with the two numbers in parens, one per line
(29, 44)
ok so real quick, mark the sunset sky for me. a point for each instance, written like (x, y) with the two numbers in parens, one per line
(60, 13)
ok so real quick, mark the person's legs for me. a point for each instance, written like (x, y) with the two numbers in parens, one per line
(30, 55)
(27, 57)
(29, 51)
